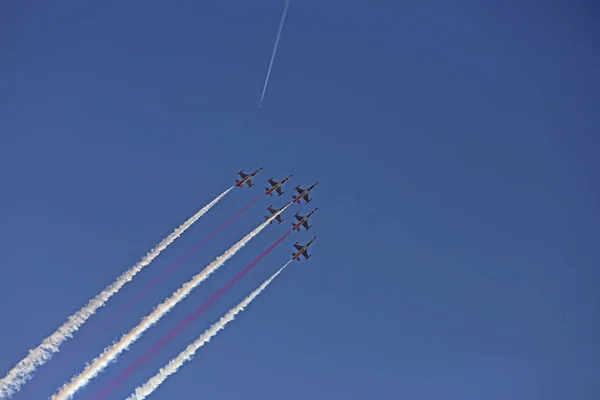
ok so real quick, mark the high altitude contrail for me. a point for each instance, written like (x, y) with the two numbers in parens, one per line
(166, 339)
(287, 3)
(112, 352)
(24, 370)
(153, 383)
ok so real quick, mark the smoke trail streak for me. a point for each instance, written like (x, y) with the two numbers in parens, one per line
(153, 383)
(112, 352)
(111, 320)
(287, 3)
(173, 267)
(24, 370)
(183, 324)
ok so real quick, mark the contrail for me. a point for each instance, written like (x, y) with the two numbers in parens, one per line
(24, 370)
(112, 352)
(183, 324)
(287, 3)
(153, 383)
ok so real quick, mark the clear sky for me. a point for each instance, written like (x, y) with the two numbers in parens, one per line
(456, 145)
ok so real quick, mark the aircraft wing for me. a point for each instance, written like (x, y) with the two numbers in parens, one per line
(299, 218)
(305, 254)
(272, 182)
(243, 175)
(249, 182)
(305, 225)
(298, 247)
(299, 189)
(305, 197)
(279, 191)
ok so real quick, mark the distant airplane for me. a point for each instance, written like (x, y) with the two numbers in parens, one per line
(274, 211)
(302, 221)
(302, 250)
(303, 193)
(276, 186)
(246, 178)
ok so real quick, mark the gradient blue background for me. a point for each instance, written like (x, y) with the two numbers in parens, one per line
(456, 145)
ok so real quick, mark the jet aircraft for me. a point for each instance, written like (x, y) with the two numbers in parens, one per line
(303, 193)
(246, 178)
(302, 221)
(274, 211)
(276, 186)
(302, 250)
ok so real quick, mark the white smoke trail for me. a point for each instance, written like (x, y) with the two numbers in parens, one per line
(24, 370)
(287, 3)
(112, 352)
(153, 383)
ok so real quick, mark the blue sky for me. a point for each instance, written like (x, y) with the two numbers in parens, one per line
(457, 152)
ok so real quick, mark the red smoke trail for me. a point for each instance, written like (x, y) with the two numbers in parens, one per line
(168, 272)
(103, 394)
(173, 267)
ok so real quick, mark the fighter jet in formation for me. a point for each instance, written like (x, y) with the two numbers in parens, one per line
(302, 221)
(275, 211)
(247, 179)
(303, 193)
(276, 186)
(302, 250)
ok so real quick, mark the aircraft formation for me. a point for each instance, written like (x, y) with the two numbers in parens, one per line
(25, 369)
(301, 220)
